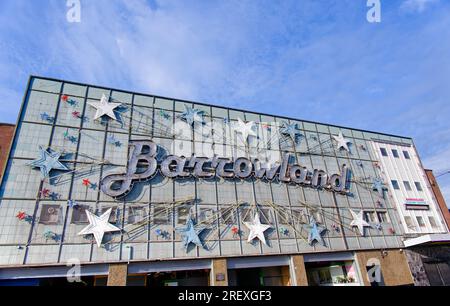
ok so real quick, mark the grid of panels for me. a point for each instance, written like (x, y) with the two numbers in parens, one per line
(56, 114)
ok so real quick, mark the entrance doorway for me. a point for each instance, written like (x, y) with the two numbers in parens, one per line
(263, 276)
(332, 273)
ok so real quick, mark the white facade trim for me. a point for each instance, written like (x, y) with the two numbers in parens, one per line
(427, 239)
(410, 170)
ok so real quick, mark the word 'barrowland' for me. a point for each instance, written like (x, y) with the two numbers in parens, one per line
(119, 185)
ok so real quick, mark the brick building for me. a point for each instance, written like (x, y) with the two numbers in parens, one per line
(6, 136)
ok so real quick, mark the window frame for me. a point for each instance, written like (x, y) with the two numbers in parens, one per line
(418, 186)
(406, 155)
(407, 186)
(395, 153)
(395, 185)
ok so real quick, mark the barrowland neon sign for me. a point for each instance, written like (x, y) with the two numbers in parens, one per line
(144, 152)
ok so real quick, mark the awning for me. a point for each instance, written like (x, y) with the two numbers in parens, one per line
(427, 239)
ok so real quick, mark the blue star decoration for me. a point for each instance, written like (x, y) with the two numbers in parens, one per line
(46, 117)
(112, 140)
(190, 234)
(291, 130)
(72, 203)
(378, 185)
(315, 233)
(191, 115)
(48, 161)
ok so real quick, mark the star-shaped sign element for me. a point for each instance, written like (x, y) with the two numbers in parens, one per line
(190, 234)
(192, 115)
(291, 130)
(342, 143)
(378, 185)
(358, 221)
(257, 229)
(98, 226)
(48, 161)
(315, 233)
(246, 129)
(104, 107)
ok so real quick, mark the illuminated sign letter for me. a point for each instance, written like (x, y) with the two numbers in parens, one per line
(117, 185)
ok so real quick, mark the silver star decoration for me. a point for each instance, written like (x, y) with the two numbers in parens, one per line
(291, 130)
(47, 162)
(379, 186)
(190, 234)
(257, 229)
(315, 233)
(358, 221)
(246, 129)
(104, 107)
(98, 226)
(342, 142)
(192, 115)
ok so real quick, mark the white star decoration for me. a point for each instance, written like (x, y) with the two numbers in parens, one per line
(98, 226)
(341, 142)
(246, 129)
(257, 229)
(104, 107)
(359, 221)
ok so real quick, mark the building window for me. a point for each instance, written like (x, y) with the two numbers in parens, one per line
(433, 222)
(182, 214)
(383, 217)
(418, 186)
(383, 152)
(395, 153)
(300, 216)
(407, 185)
(369, 216)
(79, 215)
(406, 155)
(161, 215)
(205, 214)
(136, 214)
(227, 215)
(49, 214)
(114, 217)
(409, 223)
(395, 184)
(284, 217)
(420, 221)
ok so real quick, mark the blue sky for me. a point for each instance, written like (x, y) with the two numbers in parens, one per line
(315, 60)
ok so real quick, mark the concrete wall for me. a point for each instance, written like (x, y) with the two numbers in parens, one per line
(298, 271)
(117, 275)
(219, 272)
(394, 266)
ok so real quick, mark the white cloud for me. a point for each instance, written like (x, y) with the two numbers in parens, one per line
(416, 5)
(438, 162)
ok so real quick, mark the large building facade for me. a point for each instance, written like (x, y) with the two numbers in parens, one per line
(120, 187)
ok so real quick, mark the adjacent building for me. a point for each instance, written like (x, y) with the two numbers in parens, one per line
(6, 135)
(107, 186)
